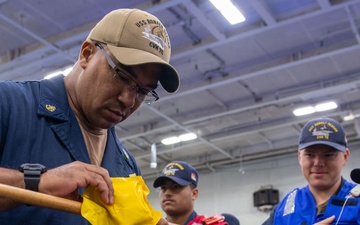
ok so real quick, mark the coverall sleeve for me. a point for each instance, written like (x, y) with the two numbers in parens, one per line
(270, 220)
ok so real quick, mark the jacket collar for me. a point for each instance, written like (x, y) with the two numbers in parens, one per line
(53, 99)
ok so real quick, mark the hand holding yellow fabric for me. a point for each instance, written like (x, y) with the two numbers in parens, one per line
(131, 206)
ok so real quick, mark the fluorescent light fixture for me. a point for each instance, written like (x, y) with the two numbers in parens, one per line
(183, 137)
(304, 111)
(229, 11)
(318, 108)
(187, 137)
(170, 140)
(325, 106)
(65, 72)
(349, 117)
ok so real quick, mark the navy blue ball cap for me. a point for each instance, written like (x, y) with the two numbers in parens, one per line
(180, 172)
(325, 131)
(230, 219)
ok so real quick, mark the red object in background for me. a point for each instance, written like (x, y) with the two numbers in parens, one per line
(216, 219)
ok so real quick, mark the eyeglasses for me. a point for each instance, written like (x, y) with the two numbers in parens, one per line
(142, 94)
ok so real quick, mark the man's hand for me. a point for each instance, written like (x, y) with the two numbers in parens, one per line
(65, 180)
(162, 221)
(326, 221)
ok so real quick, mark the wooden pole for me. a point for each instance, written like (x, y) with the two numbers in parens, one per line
(40, 199)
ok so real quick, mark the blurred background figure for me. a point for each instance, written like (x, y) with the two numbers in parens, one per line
(230, 219)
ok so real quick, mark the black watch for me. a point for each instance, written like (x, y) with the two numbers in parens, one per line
(32, 172)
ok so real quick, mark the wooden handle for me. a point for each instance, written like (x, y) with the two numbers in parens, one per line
(40, 199)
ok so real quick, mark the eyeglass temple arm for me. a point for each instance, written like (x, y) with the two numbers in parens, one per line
(111, 63)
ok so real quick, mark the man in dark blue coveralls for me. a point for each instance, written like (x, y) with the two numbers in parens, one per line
(57, 136)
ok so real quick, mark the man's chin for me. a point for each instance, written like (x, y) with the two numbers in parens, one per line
(106, 123)
(168, 208)
(319, 184)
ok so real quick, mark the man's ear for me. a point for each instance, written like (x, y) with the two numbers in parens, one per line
(346, 156)
(86, 52)
(195, 193)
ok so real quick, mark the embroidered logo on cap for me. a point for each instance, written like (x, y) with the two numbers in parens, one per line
(172, 168)
(322, 130)
(157, 39)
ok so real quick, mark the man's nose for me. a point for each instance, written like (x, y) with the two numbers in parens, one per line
(318, 160)
(168, 191)
(128, 97)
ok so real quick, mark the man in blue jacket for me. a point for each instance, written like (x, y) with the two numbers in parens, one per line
(57, 136)
(328, 198)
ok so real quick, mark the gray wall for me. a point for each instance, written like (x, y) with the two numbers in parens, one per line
(228, 190)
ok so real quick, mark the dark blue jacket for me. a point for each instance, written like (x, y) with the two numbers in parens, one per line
(37, 125)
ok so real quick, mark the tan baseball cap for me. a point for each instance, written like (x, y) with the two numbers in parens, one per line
(136, 37)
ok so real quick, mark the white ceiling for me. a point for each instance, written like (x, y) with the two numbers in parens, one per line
(239, 84)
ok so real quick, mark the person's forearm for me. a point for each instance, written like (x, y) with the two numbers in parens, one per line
(63, 181)
(7, 204)
(13, 178)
